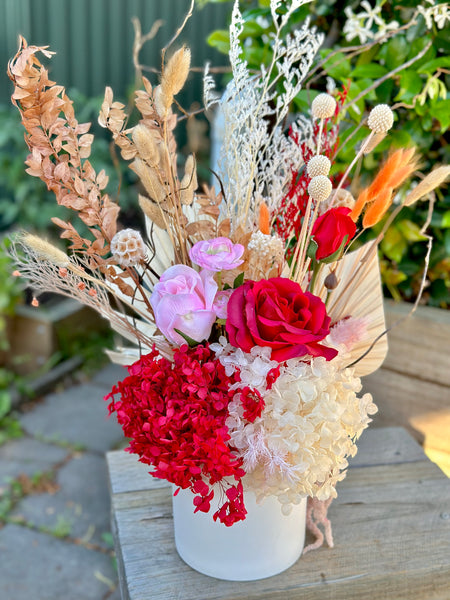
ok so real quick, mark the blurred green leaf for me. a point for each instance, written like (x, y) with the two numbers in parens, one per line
(220, 39)
(410, 85)
(410, 230)
(371, 70)
(394, 244)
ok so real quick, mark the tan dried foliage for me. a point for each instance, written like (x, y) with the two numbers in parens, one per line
(59, 149)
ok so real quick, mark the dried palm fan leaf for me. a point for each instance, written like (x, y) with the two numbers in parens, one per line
(123, 356)
(131, 328)
(126, 356)
(136, 303)
(163, 253)
(358, 294)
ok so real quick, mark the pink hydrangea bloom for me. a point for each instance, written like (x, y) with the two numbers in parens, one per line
(218, 254)
(183, 299)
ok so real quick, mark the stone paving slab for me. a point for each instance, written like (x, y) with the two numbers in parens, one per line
(110, 375)
(28, 456)
(35, 566)
(82, 504)
(78, 415)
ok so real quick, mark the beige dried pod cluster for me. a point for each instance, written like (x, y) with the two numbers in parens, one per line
(318, 165)
(319, 188)
(323, 106)
(381, 118)
(145, 144)
(189, 182)
(127, 248)
(173, 79)
(342, 198)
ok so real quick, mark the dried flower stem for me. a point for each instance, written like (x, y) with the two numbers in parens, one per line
(389, 75)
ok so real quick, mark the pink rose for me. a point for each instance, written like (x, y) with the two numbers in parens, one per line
(183, 299)
(218, 254)
(221, 303)
(277, 313)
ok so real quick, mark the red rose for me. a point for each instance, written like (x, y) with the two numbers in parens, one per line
(277, 313)
(330, 230)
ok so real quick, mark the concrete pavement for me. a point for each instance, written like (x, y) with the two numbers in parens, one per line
(55, 543)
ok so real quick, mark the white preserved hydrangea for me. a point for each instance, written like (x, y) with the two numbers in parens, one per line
(128, 248)
(267, 246)
(311, 420)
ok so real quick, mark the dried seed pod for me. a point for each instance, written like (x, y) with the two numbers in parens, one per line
(160, 102)
(318, 165)
(145, 144)
(381, 118)
(153, 211)
(331, 281)
(189, 182)
(176, 72)
(323, 106)
(44, 250)
(127, 248)
(150, 180)
(373, 142)
(319, 188)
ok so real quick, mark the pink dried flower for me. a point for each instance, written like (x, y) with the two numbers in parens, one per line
(218, 254)
(348, 332)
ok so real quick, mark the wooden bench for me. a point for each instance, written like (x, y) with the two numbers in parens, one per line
(391, 525)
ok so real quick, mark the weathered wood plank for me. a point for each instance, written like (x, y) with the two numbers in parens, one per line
(392, 536)
(422, 407)
(127, 473)
(420, 345)
(400, 396)
(393, 445)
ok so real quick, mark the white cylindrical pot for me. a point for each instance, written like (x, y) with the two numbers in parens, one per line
(264, 544)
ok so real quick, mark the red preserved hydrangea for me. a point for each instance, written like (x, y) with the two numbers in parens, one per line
(174, 413)
(253, 403)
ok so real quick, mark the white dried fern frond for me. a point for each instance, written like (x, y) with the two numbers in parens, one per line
(210, 96)
(247, 169)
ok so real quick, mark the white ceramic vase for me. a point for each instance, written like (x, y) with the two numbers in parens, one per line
(264, 544)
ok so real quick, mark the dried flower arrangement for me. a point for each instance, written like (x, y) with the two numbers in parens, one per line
(252, 317)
